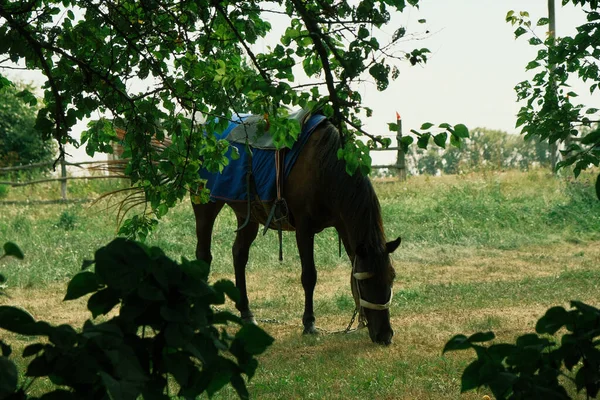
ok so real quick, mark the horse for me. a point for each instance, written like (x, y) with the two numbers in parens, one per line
(319, 194)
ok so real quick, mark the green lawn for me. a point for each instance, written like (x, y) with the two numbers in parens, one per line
(485, 251)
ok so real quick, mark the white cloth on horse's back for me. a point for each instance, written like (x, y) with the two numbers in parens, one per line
(257, 138)
(230, 185)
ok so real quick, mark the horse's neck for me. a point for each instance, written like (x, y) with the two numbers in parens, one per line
(361, 221)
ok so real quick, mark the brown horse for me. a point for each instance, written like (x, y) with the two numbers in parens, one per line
(320, 194)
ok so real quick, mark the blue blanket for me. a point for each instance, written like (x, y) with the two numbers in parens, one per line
(230, 185)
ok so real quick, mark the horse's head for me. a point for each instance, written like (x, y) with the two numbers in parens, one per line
(373, 279)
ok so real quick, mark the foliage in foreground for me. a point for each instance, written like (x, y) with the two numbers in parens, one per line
(165, 329)
(532, 367)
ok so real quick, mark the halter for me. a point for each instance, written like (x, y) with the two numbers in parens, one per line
(361, 276)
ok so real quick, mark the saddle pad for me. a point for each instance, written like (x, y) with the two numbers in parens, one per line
(248, 130)
(230, 185)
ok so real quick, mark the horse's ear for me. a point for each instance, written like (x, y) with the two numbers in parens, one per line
(361, 251)
(391, 246)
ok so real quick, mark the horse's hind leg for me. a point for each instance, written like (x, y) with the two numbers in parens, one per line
(205, 219)
(305, 239)
(241, 250)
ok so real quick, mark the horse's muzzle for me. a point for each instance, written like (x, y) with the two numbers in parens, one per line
(383, 338)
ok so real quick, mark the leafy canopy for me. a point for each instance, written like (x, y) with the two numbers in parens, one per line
(20, 143)
(551, 111)
(156, 67)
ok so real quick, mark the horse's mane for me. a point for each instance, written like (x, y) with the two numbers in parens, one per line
(354, 195)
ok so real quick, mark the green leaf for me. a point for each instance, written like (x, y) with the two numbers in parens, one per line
(423, 140)
(543, 21)
(8, 378)
(458, 342)
(591, 138)
(481, 337)
(32, 349)
(16, 320)
(426, 126)
(253, 339)
(440, 139)
(405, 142)
(224, 317)
(39, 366)
(392, 127)
(228, 287)
(197, 269)
(5, 349)
(240, 386)
(120, 264)
(471, 376)
(520, 31)
(86, 264)
(83, 283)
(11, 249)
(590, 312)
(554, 319)
(218, 380)
(461, 131)
(455, 141)
(103, 302)
(27, 97)
(112, 386)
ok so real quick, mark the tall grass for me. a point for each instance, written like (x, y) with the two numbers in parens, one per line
(437, 218)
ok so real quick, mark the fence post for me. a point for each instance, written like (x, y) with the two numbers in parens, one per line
(400, 157)
(63, 174)
(552, 35)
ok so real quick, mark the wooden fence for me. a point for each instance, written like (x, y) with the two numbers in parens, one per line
(400, 164)
(63, 179)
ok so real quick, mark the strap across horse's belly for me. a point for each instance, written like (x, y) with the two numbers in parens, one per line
(260, 214)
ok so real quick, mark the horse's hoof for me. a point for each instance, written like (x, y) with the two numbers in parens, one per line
(248, 318)
(310, 330)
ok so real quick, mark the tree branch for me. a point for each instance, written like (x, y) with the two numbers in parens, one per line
(262, 73)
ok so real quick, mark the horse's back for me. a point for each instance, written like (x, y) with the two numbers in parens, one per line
(304, 191)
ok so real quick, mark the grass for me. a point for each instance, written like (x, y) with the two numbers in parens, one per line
(480, 252)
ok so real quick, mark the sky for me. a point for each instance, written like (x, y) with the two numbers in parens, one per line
(474, 65)
(471, 73)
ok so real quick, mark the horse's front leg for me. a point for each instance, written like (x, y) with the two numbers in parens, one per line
(241, 250)
(205, 220)
(305, 239)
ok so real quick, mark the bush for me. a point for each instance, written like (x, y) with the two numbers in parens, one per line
(67, 221)
(531, 368)
(20, 142)
(4, 189)
(165, 330)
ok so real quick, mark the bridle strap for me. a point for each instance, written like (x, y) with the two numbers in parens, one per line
(359, 276)
(379, 307)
